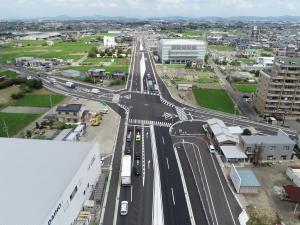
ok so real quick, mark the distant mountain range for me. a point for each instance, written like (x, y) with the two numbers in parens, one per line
(173, 18)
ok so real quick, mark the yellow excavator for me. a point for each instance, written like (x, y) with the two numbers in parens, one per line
(96, 120)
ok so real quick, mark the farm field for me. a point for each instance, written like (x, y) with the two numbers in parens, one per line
(8, 73)
(15, 122)
(110, 69)
(36, 100)
(222, 48)
(216, 99)
(245, 88)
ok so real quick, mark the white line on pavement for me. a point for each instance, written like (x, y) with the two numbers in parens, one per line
(163, 140)
(173, 196)
(131, 187)
(168, 163)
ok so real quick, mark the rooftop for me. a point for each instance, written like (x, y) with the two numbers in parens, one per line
(69, 108)
(293, 192)
(232, 152)
(181, 42)
(35, 174)
(288, 61)
(248, 178)
(276, 139)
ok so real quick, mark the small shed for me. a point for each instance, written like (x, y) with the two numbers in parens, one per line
(184, 87)
(244, 180)
(294, 174)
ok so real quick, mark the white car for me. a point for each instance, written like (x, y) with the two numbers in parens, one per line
(124, 208)
(212, 148)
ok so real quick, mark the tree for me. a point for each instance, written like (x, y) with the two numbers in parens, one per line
(37, 125)
(28, 133)
(92, 54)
(206, 59)
(188, 64)
(247, 132)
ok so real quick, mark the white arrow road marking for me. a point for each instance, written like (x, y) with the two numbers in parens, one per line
(173, 196)
(149, 161)
(168, 163)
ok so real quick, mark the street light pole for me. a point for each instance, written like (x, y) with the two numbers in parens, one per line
(5, 128)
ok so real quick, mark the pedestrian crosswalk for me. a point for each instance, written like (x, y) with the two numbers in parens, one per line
(150, 122)
(181, 113)
(164, 101)
(124, 107)
(146, 93)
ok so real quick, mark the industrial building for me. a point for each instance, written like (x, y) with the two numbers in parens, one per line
(278, 90)
(46, 182)
(181, 50)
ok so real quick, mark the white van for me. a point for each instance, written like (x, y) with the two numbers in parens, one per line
(124, 208)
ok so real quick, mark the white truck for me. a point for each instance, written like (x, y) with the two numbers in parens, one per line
(70, 84)
(95, 91)
(126, 171)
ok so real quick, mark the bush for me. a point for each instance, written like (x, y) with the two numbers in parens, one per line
(34, 84)
(17, 95)
(10, 82)
(247, 132)
(116, 82)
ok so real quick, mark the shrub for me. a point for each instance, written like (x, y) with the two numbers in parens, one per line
(10, 82)
(34, 84)
(17, 95)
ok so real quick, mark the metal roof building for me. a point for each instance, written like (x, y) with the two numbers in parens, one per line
(45, 182)
(244, 180)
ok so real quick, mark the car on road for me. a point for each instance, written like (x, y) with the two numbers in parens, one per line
(212, 148)
(138, 137)
(127, 151)
(128, 137)
(137, 155)
(124, 208)
(137, 168)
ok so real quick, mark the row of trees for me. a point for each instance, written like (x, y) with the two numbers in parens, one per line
(27, 87)
(107, 52)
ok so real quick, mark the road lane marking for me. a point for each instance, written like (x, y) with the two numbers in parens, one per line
(149, 161)
(173, 196)
(163, 140)
(168, 163)
(131, 187)
(143, 155)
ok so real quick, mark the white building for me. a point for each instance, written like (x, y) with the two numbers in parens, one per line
(181, 50)
(45, 182)
(265, 61)
(109, 42)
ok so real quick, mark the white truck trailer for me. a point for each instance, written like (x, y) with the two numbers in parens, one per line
(126, 171)
(70, 84)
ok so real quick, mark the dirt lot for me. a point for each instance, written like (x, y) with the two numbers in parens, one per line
(6, 93)
(272, 179)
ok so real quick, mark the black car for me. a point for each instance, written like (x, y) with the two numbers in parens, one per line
(137, 155)
(137, 168)
(127, 151)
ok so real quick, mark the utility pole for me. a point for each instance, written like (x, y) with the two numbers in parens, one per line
(235, 108)
(5, 128)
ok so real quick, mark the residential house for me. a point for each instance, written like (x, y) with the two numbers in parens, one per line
(70, 113)
(98, 73)
(272, 147)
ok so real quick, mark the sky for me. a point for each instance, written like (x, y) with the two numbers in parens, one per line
(16, 9)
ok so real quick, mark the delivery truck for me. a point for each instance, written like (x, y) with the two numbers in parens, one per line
(126, 171)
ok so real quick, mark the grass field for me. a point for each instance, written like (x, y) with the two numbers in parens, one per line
(15, 122)
(8, 73)
(206, 79)
(60, 49)
(244, 60)
(216, 99)
(38, 100)
(222, 48)
(109, 69)
(245, 88)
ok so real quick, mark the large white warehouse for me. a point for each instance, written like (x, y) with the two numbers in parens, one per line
(181, 50)
(45, 182)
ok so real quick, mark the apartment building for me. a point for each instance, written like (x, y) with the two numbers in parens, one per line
(278, 90)
(181, 50)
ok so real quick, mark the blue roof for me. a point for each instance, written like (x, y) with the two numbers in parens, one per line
(248, 178)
